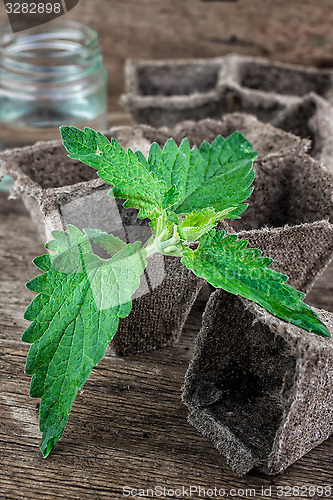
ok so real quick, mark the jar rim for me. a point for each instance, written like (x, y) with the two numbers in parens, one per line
(49, 31)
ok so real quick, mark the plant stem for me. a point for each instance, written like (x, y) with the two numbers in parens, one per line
(157, 243)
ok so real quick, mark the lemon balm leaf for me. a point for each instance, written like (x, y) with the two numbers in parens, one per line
(76, 313)
(217, 175)
(108, 242)
(123, 170)
(197, 223)
(226, 263)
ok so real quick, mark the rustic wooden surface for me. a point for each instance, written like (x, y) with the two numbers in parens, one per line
(128, 426)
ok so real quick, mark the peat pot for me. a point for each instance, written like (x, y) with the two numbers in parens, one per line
(259, 388)
(288, 216)
(295, 98)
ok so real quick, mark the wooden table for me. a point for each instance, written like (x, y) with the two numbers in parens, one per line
(127, 426)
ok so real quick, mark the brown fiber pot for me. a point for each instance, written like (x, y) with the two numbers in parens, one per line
(259, 388)
(295, 98)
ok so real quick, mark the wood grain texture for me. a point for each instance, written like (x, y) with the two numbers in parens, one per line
(127, 426)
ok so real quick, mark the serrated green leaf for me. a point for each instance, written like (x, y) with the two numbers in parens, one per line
(110, 243)
(74, 316)
(225, 263)
(218, 176)
(195, 224)
(130, 178)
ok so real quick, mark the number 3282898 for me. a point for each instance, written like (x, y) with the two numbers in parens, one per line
(33, 8)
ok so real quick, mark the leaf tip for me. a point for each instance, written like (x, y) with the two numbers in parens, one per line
(47, 447)
(42, 262)
(65, 130)
(321, 329)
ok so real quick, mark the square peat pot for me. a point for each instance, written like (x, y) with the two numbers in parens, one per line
(167, 92)
(259, 388)
(311, 117)
(264, 88)
(295, 98)
(288, 216)
(263, 75)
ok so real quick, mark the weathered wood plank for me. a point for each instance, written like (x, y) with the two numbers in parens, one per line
(127, 426)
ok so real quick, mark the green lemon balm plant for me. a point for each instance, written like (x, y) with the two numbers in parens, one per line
(184, 192)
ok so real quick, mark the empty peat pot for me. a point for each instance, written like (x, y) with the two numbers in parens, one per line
(167, 92)
(295, 98)
(259, 388)
(311, 117)
(288, 216)
(266, 88)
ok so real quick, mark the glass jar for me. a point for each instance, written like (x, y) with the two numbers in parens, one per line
(51, 75)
